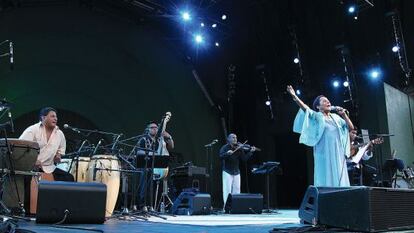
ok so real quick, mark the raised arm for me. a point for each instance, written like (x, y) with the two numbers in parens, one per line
(343, 113)
(298, 101)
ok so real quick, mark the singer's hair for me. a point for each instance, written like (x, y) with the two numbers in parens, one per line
(44, 111)
(316, 102)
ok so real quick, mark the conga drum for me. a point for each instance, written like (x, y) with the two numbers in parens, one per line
(103, 169)
(82, 170)
(34, 189)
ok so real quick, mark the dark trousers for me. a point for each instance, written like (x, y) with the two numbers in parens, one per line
(60, 175)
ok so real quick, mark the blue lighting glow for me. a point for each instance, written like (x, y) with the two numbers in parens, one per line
(199, 38)
(395, 48)
(298, 92)
(351, 9)
(186, 16)
(335, 83)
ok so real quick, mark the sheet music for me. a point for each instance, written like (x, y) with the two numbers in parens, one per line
(360, 153)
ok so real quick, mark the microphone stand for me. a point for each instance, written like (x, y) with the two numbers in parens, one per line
(77, 159)
(209, 152)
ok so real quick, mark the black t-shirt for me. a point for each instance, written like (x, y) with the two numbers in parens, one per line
(230, 163)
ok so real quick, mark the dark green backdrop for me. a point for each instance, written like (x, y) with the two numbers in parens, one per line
(105, 72)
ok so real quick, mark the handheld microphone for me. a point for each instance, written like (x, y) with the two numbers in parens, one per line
(66, 126)
(337, 109)
(11, 55)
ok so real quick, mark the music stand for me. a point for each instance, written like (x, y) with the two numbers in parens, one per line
(267, 168)
(391, 166)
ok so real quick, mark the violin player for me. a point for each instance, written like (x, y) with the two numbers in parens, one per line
(230, 155)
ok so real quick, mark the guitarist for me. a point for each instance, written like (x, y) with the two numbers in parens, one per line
(355, 171)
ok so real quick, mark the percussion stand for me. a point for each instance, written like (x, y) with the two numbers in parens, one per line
(9, 174)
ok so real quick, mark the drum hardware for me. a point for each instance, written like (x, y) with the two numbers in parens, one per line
(77, 155)
(13, 165)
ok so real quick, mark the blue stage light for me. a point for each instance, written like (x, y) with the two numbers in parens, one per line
(217, 44)
(202, 24)
(186, 16)
(375, 73)
(224, 17)
(335, 83)
(298, 92)
(199, 38)
(214, 25)
(267, 102)
(351, 9)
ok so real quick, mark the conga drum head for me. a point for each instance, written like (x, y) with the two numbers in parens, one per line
(24, 154)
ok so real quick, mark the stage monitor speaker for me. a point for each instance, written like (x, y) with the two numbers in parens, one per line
(72, 202)
(244, 203)
(191, 203)
(359, 208)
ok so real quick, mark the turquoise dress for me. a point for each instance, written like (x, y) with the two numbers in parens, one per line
(329, 138)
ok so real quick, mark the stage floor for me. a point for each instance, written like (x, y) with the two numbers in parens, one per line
(215, 223)
(223, 223)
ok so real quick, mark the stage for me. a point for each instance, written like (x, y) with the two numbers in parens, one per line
(223, 223)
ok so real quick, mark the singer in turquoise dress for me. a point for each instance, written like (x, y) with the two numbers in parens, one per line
(328, 134)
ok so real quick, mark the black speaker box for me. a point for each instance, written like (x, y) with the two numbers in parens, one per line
(80, 202)
(368, 209)
(244, 203)
(190, 203)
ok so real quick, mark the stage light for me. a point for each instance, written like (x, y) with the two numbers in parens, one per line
(198, 38)
(296, 60)
(202, 24)
(346, 84)
(267, 102)
(186, 16)
(217, 44)
(298, 92)
(335, 83)
(214, 25)
(351, 9)
(224, 17)
(375, 73)
(395, 48)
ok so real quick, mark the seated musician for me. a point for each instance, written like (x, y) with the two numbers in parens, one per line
(52, 144)
(148, 141)
(355, 171)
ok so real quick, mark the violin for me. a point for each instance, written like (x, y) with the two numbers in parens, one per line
(246, 147)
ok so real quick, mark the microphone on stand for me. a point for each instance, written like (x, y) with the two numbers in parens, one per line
(212, 143)
(11, 122)
(83, 143)
(97, 146)
(66, 126)
(116, 141)
(11, 55)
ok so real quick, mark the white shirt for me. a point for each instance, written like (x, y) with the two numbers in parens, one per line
(48, 149)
